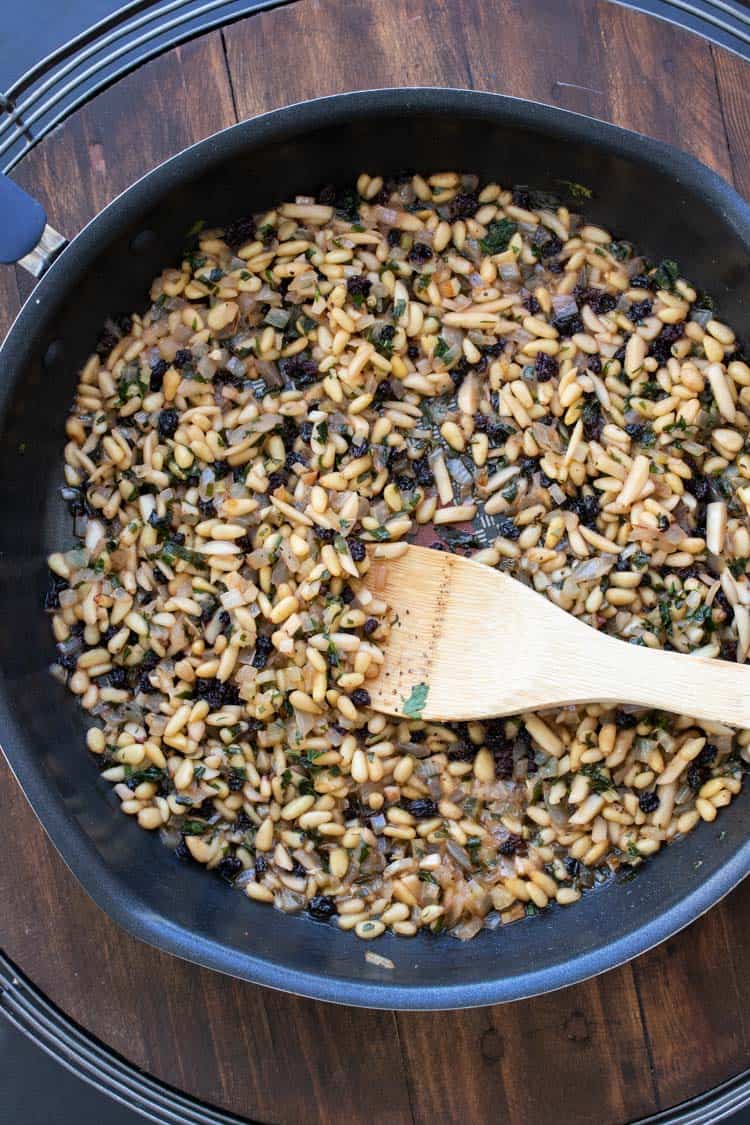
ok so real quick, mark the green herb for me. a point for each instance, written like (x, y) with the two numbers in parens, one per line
(578, 192)
(427, 877)
(347, 205)
(648, 437)
(704, 302)
(531, 910)
(193, 827)
(665, 615)
(364, 851)
(399, 308)
(441, 348)
(599, 782)
(665, 275)
(382, 337)
(591, 412)
(738, 567)
(633, 851)
(152, 773)
(620, 250)
(414, 705)
(702, 616)
(380, 533)
(511, 491)
(473, 844)
(499, 234)
(172, 551)
(651, 390)
(457, 539)
(196, 228)
(321, 432)
(640, 560)
(340, 544)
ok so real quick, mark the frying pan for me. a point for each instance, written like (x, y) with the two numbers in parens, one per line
(664, 200)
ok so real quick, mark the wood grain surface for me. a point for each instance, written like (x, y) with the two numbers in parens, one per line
(641, 1038)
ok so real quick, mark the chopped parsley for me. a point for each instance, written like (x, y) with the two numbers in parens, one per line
(578, 192)
(193, 827)
(665, 275)
(599, 782)
(499, 234)
(621, 251)
(414, 705)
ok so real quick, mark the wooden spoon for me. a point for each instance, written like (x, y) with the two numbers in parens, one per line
(470, 642)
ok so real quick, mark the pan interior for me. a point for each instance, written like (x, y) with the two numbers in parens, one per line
(669, 209)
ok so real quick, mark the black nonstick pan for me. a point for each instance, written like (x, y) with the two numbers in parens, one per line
(665, 201)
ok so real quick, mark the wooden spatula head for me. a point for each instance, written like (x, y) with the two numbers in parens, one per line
(470, 642)
(457, 624)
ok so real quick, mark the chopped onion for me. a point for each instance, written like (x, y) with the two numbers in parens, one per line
(386, 215)
(593, 568)
(269, 373)
(459, 855)
(170, 835)
(465, 931)
(236, 366)
(206, 484)
(76, 558)
(246, 877)
(564, 305)
(460, 474)
(701, 316)
(94, 533)
(376, 959)
(263, 424)
(547, 437)
(289, 902)
(206, 367)
(278, 318)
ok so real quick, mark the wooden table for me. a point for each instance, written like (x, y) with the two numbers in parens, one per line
(641, 1038)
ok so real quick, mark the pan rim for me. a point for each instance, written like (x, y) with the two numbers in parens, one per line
(111, 891)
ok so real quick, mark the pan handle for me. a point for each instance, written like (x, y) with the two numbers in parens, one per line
(25, 235)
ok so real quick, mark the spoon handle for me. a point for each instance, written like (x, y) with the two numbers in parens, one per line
(613, 671)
